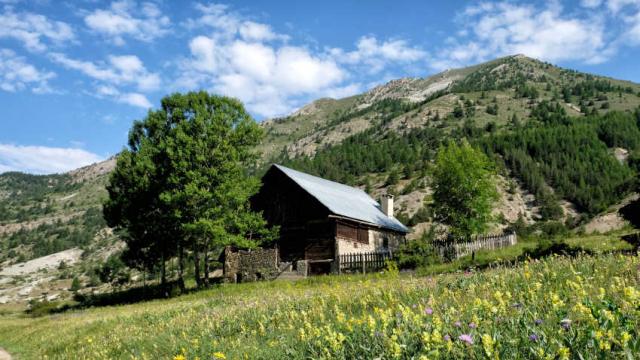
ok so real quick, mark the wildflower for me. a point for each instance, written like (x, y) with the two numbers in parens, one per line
(446, 338)
(428, 311)
(487, 344)
(466, 338)
(563, 353)
(538, 322)
(556, 301)
(565, 323)
(625, 337)
(219, 355)
(457, 324)
(534, 337)
(472, 325)
(179, 357)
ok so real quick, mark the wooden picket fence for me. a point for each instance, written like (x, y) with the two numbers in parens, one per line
(452, 250)
(363, 262)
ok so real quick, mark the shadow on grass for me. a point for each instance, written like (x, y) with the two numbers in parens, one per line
(119, 297)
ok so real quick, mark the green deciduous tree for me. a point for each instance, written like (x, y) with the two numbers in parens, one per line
(464, 189)
(182, 185)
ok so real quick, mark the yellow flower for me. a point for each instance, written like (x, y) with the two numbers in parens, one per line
(219, 355)
(556, 301)
(487, 344)
(179, 357)
(625, 337)
(563, 353)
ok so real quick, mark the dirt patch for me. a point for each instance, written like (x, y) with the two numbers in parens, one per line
(621, 154)
(514, 201)
(611, 220)
(46, 262)
(4, 355)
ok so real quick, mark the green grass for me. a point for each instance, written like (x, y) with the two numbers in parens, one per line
(601, 242)
(596, 243)
(373, 316)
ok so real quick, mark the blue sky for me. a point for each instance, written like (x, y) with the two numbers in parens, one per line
(74, 75)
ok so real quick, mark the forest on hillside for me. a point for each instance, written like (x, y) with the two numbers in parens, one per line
(553, 155)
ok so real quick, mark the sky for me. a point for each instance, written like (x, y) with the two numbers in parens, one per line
(74, 75)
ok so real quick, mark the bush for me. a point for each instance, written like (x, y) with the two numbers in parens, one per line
(419, 252)
(75, 284)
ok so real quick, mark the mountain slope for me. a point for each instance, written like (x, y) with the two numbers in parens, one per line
(509, 80)
(383, 141)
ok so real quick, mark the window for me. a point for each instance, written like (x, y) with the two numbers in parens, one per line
(363, 235)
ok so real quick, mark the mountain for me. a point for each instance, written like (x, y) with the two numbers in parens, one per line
(563, 142)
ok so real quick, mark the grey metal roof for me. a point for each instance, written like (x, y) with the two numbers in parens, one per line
(344, 200)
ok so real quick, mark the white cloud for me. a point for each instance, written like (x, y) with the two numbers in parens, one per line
(125, 18)
(135, 99)
(249, 60)
(376, 55)
(131, 98)
(16, 74)
(253, 31)
(120, 70)
(33, 29)
(498, 29)
(42, 159)
(616, 5)
(264, 77)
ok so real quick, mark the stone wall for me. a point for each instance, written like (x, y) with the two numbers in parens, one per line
(379, 240)
(250, 265)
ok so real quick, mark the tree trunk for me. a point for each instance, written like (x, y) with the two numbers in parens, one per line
(163, 271)
(196, 264)
(180, 268)
(206, 264)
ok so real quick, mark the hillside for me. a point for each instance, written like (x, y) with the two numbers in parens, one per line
(559, 308)
(46, 219)
(532, 117)
(565, 144)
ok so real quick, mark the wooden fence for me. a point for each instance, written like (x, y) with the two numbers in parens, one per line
(363, 262)
(452, 251)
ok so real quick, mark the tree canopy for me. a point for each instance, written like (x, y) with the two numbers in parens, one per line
(182, 184)
(464, 189)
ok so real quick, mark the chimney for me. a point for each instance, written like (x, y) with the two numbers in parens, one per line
(387, 204)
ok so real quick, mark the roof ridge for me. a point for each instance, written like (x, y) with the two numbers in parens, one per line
(343, 200)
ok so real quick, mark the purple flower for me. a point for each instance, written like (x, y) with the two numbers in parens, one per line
(447, 337)
(533, 337)
(566, 324)
(473, 325)
(538, 321)
(457, 324)
(428, 311)
(414, 306)
(466, 338)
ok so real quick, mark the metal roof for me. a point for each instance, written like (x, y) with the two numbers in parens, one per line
(344, 200)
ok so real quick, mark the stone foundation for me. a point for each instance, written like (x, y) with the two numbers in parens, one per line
(250, 265)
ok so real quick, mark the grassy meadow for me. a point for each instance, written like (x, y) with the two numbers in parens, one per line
(556, 308)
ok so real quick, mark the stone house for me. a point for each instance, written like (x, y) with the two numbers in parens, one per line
(320, 219)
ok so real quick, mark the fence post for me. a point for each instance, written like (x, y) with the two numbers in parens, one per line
(364, 269)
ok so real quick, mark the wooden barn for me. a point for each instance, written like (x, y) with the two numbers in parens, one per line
(320, 219)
